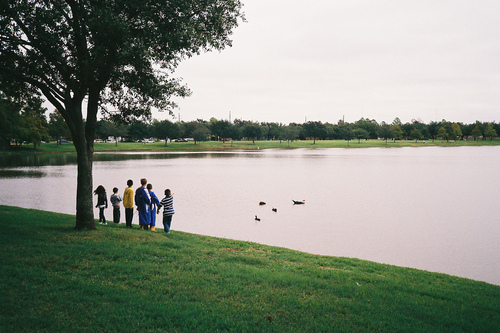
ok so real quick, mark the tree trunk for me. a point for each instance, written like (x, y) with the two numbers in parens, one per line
(84, 202)
(83, 134)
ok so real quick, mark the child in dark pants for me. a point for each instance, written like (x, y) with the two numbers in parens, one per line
(168, 209)
(102, 203)
(115, 202)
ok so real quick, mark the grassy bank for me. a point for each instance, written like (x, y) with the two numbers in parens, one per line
(115, 279)
(247, 145)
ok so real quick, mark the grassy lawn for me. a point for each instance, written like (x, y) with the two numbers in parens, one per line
(246, 145)
(56, 279)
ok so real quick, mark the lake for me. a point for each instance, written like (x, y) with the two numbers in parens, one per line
(432, 208)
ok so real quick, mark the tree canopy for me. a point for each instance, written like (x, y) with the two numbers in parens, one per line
(117, 56)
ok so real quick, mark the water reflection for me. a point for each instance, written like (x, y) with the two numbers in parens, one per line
(30, 160)
(416, 207)
(21, 174)
(36, 160)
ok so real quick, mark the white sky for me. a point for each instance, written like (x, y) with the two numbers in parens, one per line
(321, 60)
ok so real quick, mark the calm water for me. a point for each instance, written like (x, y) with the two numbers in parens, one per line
(431, 208)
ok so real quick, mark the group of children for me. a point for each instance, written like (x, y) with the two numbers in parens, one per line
(145, 200)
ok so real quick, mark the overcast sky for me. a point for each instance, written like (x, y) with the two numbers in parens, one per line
(321, 60)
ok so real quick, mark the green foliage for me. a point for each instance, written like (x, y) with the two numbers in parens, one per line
(456, 132)
(251, 131)
(220, 129)
(290, 133)
(490, 132)
(314, 129)
(397, 132)
(9, 121)
(22, 117)
(138, 130)
(118, 55)
(476, 132)
(442, 133)
(416, 134)
(110, 50)
(56, 279)
(370, 126)
(57, 127)
(166, 129)
(200, 132)
(360, 133)
(33, 127)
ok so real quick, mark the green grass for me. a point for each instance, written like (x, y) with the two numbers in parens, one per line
(55, 279)
(246, 145)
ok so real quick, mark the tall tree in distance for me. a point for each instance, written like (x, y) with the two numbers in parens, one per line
(115, 53)
(490, 132)
(57, 127)
(252, 131)
(314, 129)
(476, 132)
(291, 132)
(166, 129)
(456, 132)
(22, 115)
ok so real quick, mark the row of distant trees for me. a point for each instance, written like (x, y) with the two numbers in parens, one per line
(363, 129)
(27, 123)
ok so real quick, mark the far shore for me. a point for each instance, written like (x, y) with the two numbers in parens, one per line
(68, 147)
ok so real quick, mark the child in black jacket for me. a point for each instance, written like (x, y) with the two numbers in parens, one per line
(102, 203)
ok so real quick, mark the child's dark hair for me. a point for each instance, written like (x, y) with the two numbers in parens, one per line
(167, 192)
(130, 182)
(115, 189)
(100, 190)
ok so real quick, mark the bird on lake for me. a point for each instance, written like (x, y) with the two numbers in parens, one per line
(256, 218)
(296, 202)
(275, 210)
(262, 203)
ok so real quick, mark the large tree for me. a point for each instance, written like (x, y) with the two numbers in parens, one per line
(33, 125)
(220, 129)
(490, 132)
(314, 129)
(22, 115)
(251, 130)
(166, 129)
(116, 53)
(9, 120)
(291, 132)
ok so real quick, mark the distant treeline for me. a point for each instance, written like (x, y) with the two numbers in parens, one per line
(214, 129)
(34, 127)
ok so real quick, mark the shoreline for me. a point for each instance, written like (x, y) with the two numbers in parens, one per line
(52, 148)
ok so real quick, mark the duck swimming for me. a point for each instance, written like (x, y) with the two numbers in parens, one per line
(256, 218)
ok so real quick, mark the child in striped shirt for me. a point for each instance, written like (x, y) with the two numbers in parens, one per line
(168, 209)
